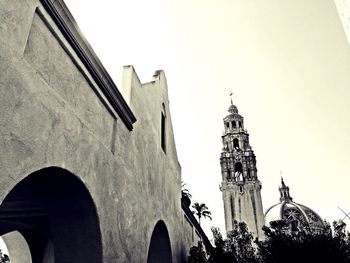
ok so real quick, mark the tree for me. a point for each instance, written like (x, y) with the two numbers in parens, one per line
(220, 253)
(304, 245)
(4, 258)
(201, 210)
(185, 194)
(240, 241)
(237, 248)
(185, 191)
(197, 254)
(281, 244)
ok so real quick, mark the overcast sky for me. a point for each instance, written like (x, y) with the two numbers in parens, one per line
(287, 63)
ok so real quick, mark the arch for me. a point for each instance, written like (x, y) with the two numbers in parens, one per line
(54, 212)
(17, 246)
(239, 171)
(159, 250)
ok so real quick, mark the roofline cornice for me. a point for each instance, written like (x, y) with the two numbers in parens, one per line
(59, 12)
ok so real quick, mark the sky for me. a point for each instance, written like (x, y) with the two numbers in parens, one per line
(287, 63)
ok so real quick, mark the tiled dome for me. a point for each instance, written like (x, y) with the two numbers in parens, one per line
(295, 214)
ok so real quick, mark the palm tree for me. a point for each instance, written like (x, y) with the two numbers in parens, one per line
(185, 194)
(184, 191)
(201, 210)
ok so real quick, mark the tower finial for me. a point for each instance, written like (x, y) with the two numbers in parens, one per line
(231, 94)
(282, 182)
(284, 190)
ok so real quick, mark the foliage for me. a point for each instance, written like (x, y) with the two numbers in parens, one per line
(237, 248)
(304, 245)
(184, 191)
(240, 241)
(280, 245)
(4, 258)
(201, 210)
(197, 254)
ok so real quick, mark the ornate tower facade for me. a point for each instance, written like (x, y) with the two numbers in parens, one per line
(240, 185)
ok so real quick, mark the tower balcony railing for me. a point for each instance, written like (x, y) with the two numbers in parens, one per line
(234, 130)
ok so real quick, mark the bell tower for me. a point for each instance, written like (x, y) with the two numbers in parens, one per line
(240, 185)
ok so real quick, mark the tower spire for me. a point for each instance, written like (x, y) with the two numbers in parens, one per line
(282, 182)
(231, 94)
(284, 191)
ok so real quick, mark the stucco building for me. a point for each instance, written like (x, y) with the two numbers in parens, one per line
(86, 174)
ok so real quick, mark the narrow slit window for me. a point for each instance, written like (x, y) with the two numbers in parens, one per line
(163, 139)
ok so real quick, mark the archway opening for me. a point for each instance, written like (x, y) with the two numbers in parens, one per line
(239, 172)
(55, 214)
(159, 250)
(235, 143)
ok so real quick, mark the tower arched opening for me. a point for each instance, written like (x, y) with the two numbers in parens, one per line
(239, 171)
(54, 212)
(235, 143)
(160, 249)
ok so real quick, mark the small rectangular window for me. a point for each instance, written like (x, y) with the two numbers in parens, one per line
(163, 142)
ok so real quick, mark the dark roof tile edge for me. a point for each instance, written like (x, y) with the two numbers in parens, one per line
(59, 12)
(195, 223)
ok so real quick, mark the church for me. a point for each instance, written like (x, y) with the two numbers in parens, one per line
(241, 188)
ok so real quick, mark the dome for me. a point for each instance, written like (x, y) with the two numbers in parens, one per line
(295, 214)
(233, 109)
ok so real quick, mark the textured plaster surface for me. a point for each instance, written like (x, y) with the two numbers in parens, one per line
(246, 207)
(52, 114)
